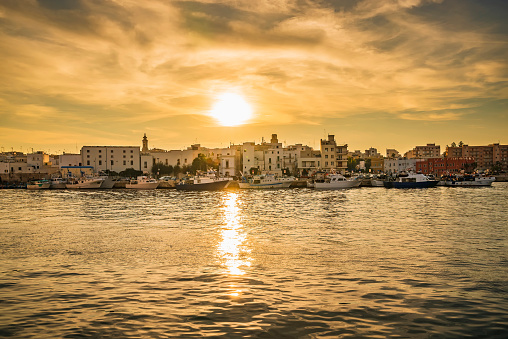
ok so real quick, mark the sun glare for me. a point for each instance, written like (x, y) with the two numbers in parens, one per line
(231, 109)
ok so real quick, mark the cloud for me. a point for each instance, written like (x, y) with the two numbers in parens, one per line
(433, 117)
(297, 62)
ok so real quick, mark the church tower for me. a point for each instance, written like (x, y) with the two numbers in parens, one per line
(145, 145)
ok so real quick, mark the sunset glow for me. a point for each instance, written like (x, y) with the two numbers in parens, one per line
(376, 73)
(231, 109)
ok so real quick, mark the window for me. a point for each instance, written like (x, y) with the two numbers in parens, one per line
(269, 160)
(100, 162)
(100, 151)
(145, 164)
(112, 156)
(88, 155)
(100, 156)
(112, 162)
(124, 156)
(111, 151)
(184, 161)
(88, 162)
(326, 156)
(87, 151)
(132, 162)
(132, 151)
(124, 151)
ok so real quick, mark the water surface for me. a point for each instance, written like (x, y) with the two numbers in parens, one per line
(366, 262)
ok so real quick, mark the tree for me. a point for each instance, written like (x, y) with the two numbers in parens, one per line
(177, 170)
(161, 169)
(199, 164)
(351, 164)
(131, 173)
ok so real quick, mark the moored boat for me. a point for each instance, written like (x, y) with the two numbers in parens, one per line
(266, 181)
(58, 183)
(84, 183)
(411, 180)
(38, 184)
(143, 182)
(333, 181)
(202, 183)
(469, 181)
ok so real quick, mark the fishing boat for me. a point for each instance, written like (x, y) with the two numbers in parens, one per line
(143, 182)
(469, 181)
(58, 183)
(411, 180)
(333, 181)
(84, 183)
(201, 182)
(38, 184)
(266, 181)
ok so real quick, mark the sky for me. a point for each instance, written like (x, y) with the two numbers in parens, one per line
(375, 73)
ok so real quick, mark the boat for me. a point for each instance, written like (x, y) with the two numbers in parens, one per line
(333, 181)
(411, 180)
(84, 183)
(38, 184)
(469, 181)
(108, 182)
(143, 182)
(58, 183)
(203, 182)
(266, 181)
(377, 180)
(167, 182)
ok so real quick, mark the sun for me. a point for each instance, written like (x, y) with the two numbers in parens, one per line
(231, 109)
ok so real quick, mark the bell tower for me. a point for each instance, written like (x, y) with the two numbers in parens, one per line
(145, 144)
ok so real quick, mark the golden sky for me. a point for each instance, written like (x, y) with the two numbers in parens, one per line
(376, 73)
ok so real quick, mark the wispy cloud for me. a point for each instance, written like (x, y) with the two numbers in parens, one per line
(297, 62)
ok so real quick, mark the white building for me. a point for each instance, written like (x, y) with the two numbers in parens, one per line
(392, 166)
(112, 158)
(68, 159)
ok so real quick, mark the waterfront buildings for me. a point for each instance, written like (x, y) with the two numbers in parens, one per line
(333, 156)
(443, 166)
(424, 152)
(250, 158)
(486, 157)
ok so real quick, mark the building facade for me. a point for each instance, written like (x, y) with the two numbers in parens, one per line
(333, 156)
(443, 166)
(424, 152)
(486, 157)
(111, 158)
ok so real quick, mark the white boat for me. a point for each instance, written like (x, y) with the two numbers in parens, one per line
(411, 180)
(38, 184)
(266, 181)
(58, 183)
(333, 181)
(84, 182)
(469, 181)
(377, 180)
(108, 182)
(143, 183)
(203, 183)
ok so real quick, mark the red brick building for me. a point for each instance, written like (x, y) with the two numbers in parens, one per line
(485, 156)
(440, 166)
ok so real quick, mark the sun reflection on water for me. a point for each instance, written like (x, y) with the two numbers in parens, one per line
(233, 253)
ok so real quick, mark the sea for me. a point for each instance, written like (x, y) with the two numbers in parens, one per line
(290, 263)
